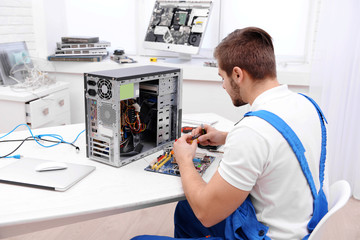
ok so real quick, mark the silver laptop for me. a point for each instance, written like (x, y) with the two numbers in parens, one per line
(25, 172)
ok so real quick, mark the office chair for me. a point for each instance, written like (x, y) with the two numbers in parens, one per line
(340, 193)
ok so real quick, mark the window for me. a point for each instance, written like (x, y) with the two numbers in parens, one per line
(290, 23)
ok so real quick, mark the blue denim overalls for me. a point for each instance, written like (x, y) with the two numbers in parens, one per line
(243, 224)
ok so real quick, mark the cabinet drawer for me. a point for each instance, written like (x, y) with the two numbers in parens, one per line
(44, 110)
(61, 101)
(39, 112)
(62, 119)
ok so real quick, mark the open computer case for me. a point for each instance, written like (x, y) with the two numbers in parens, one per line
(131, 112)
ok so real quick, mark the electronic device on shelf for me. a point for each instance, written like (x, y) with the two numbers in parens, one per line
(178, 26)
(131, 112)
(15, 63)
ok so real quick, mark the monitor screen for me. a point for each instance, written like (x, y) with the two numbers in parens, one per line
(177, 26)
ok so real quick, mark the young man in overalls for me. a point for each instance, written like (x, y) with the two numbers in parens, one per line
(269, 184)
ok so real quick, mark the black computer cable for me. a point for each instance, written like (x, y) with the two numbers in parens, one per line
(31, 138)
(37, 138)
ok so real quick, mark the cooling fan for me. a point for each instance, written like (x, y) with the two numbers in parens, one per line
(104, 89)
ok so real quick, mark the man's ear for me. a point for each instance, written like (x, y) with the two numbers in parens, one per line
(237, 75)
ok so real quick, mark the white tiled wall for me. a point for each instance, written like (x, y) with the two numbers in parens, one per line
(16, 23)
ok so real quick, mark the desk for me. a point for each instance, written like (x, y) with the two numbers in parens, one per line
(106, 191)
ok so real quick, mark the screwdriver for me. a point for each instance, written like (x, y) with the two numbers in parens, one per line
(203, 131)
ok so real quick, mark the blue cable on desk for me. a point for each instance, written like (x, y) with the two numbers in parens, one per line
(17, 156)
(59, 139)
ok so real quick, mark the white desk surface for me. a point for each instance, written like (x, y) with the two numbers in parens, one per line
(106, 191)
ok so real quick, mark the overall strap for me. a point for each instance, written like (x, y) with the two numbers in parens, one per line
(323, 139)
(320, 202)
(293, 141)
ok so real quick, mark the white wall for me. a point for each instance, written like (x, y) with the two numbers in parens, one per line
(124, 22)
(50, 24)
(110, 20)
(16, 23)
(121, 22)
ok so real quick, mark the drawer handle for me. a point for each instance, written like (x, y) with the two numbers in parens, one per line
(45, 111)
(61, 102)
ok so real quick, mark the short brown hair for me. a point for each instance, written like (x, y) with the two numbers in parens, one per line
(251, 49)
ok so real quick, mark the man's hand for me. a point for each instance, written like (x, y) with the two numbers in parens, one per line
(212, 136)
(184, 149)
(212, 202)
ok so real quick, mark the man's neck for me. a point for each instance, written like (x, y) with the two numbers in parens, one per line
(257, 88)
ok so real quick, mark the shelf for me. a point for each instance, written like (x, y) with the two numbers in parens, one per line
(298, 75)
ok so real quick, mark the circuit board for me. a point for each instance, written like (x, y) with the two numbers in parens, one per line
(166, 164)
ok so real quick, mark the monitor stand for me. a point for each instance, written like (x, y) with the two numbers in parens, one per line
(182, 58)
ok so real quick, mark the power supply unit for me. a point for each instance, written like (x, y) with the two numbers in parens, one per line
(131, 112)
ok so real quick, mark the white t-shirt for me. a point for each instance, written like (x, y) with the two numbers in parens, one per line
(257, 158)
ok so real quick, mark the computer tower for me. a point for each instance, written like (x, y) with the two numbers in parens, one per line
(131, 112)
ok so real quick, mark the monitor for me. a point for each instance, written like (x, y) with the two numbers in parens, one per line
(178, 26)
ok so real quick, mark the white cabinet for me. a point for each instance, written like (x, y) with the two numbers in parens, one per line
(45, 107)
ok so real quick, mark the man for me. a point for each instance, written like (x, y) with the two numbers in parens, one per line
(258, 161)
